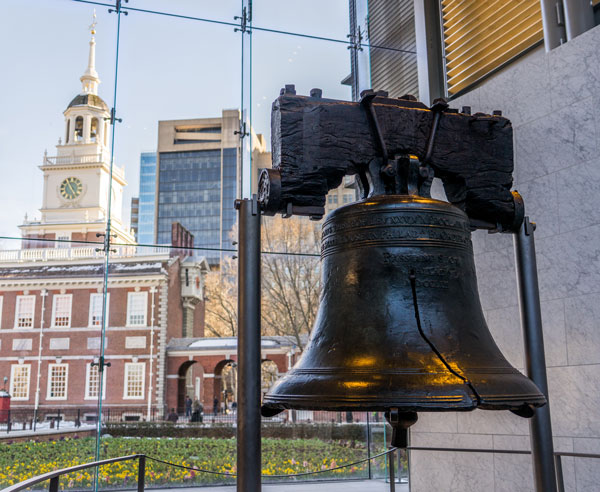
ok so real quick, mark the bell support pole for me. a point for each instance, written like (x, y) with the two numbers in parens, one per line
(248, 411)
(540, 426)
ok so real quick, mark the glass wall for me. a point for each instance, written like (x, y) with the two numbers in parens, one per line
(111, 341)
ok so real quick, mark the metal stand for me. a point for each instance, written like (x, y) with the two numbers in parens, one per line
(540, 426)
(248, 416)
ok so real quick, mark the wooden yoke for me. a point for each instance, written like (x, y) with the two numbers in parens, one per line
(316, 142)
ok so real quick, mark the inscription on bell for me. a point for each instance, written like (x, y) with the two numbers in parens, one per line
(432, 271)
(408, 219)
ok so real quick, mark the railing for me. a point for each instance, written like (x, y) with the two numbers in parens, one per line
(65, 418)
(87, 252)
(75, 159)
(560, 483)
(54, 476)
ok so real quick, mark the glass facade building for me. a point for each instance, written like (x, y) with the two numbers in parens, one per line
(145, 234)
(197, 188)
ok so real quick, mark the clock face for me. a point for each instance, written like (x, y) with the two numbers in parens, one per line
(71, 188)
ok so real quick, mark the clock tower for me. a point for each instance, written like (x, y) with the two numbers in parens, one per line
(77, 182)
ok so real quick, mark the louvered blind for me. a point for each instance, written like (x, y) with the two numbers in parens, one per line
(392, 25)
(481, 35)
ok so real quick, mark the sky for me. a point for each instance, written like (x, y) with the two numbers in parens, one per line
(169, 68)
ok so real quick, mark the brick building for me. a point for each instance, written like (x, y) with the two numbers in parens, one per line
(205, 368)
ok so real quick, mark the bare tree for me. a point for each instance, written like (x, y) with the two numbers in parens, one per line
(221, 300)
(290, 282)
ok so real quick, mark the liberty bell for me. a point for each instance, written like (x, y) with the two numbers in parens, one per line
(400, 327)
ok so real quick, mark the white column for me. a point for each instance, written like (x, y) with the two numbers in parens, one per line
(87, 123)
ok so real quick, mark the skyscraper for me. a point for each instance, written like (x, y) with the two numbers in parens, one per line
(197, 178)
(145, 234)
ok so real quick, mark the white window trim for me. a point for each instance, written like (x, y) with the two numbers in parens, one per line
(88, 368)
(125, 381)
(130, 295)
(54, 298)
(17, 306)
(62, 236)
(11, 389)
(92, 295)
(56, 398)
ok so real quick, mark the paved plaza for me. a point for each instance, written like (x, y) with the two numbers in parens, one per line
(338, 486)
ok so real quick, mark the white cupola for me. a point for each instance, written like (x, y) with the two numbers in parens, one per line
(87, 116)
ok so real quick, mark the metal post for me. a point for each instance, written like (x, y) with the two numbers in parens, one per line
(554, 23)
(53, 487)
(430, 56)
(248, 415)
(369, 446)
(579, 17)
(141, 473)
(540, 426)
(560, 481)
(392, 473)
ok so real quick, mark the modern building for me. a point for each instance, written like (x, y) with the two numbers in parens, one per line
(198, 178)
(146, 196)
(538, 63)
(52, 307)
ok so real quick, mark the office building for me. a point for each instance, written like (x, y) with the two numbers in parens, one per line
(198, 178)
(145, 234)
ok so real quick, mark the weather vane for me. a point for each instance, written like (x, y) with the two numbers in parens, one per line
(93, 24)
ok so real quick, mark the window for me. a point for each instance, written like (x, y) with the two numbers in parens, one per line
(65, 236)
(24, 311)
(480, 37)
(79, 128)
(137, 306)
(96, 309)
(19, 381)
(61, 310)
(94, 129)
(92, 381)
(58, 375)
(134, 380)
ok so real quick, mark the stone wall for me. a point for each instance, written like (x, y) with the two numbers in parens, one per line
(553, 100)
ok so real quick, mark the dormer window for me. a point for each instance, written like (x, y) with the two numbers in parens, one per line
(94, 130)
(79, 129)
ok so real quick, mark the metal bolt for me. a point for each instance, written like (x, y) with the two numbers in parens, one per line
(466, 110)
(318, 93)
(290, 89)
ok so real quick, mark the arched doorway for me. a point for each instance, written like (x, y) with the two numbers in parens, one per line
(225, 387)
(268, 375)
(188, 384)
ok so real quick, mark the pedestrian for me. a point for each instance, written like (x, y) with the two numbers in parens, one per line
(197, 410)
(215, 406)
(173, 417)
(188, 406)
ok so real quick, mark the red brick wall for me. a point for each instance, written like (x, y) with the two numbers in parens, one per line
(174, 304)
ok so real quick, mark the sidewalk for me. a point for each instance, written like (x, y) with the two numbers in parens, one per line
(338, 486)
(44, 430)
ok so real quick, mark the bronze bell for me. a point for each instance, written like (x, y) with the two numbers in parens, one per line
(400, 326)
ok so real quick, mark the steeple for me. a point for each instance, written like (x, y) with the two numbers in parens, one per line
(89, 79)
